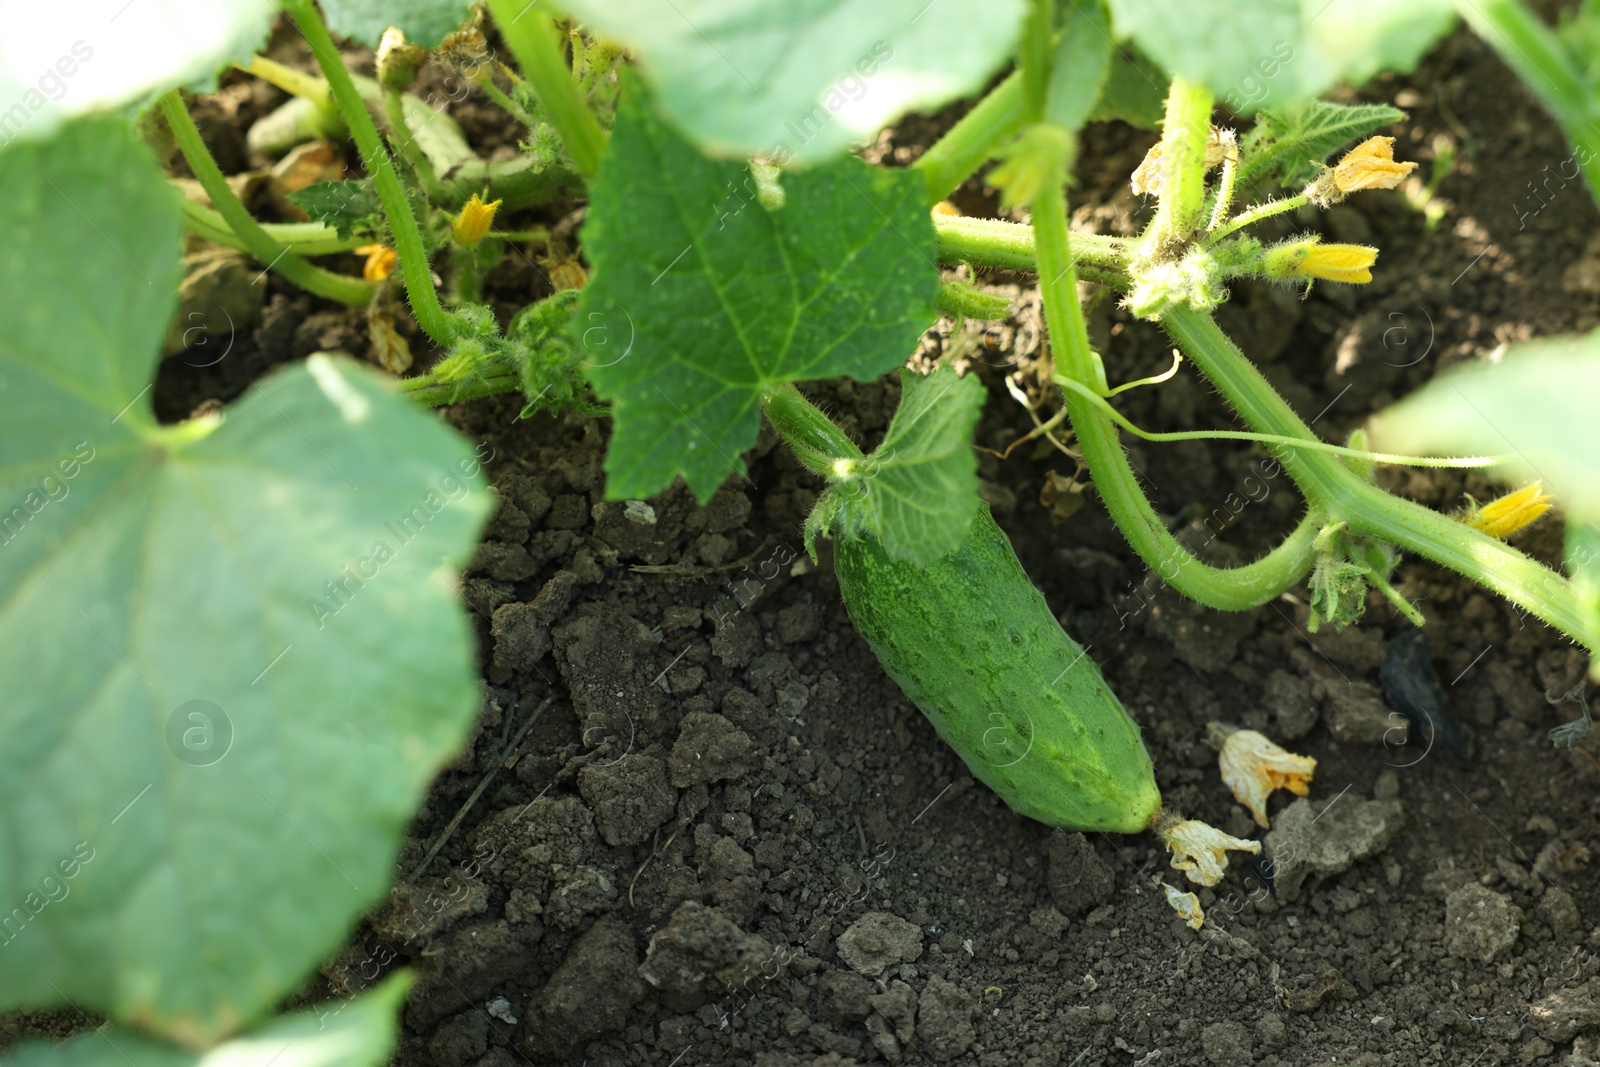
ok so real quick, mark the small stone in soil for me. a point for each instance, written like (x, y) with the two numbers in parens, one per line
(1322, 841)
(709, 749)
(1480, 924)
(877, 941)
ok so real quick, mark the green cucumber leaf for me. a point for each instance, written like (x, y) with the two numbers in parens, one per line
(61, 61)
(1272, 53)
(1135, 91)
(350, 207)
(920, 486)
(424, 22)
(802, 80)
(235, 660)
(702, 298)
(357, 1033)
(1081, 62)
(1535, 405)
(1287, 143)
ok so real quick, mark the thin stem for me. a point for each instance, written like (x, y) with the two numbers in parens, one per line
(1233, 589)
(429, 393)
(306, 238)
(414, 268)
(972, 141)
(508, 105)
(531, 37)
(1230, 174)
(1547, 67)
(294, 82)
(1254, 215)
(259, 243)
(1268, 438)
(400, 136)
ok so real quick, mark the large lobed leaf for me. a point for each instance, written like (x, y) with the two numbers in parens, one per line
(801, 80)
(1271, 53)
(357, 1033)
(702, 298)
(59, 60)
(424, 22)
(1534, 405)
(233, 659)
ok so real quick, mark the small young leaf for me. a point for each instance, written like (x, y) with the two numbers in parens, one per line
(234, 659)
(1079, 68)
(802, 82)
(702, 298)
(1286, 143)
(1536, 406)
(424, 22)
(358, 1032)
(1271, 53)
(920, 486)
(350, 207)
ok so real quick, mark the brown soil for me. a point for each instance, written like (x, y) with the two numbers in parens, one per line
(726, 837)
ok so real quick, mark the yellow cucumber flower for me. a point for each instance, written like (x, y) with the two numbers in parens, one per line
(1309, 258)
(1253, 767)
(474, 221)
(1510, 513)
(1197, 849)
(381, 260)
(1370, 165)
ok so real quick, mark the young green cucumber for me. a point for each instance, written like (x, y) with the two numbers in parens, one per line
(973, 644)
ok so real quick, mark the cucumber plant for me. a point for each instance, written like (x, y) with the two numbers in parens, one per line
(209, 624)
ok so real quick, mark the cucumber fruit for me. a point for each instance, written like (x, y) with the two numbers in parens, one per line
(972, 643)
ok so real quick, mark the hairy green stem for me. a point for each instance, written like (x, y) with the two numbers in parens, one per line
(430, 393)
(1336, 490)
(531, 37)
(1114, 478)
(414, 267)
(972, 141)
(401, 137)
(817, 440)
(1182, 188)
(1546, 67)
(1254, 215)
(305, 238)
(1009, 246)
(259, 243)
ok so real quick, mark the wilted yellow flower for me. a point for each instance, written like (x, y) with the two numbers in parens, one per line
(474, 221)
(1198, 849)
(1370, 165)
(1510, 513)
(1146, 177)
(1310, 258)
(1187, 905)
(945, 207)
(1253, 767)
(381, 260)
